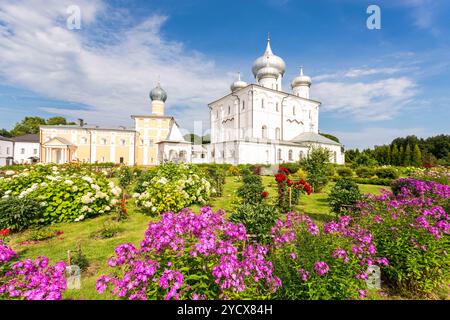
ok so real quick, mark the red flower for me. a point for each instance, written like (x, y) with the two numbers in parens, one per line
(5, 232)
(264, 194)
(308, 189)
(289, 182)
(280, 177)
(284, 170)
(303, 182)
(59, 232)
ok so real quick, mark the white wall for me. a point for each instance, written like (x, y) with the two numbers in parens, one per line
(6, 150)
(24, 150)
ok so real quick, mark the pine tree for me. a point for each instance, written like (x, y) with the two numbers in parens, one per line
(388, 155)
(407, 156)
(416, 157)
(394, 155)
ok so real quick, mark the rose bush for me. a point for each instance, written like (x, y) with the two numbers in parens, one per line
(190, 256)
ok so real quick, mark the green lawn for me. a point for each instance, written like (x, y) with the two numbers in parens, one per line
(132, 230)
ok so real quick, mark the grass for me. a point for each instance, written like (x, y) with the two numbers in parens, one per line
(132, 231)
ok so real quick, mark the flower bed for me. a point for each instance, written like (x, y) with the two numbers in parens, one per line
(328, 262)
(171, 187)
(190, 256)
(65, 194)
(411, 228)
(29, 279)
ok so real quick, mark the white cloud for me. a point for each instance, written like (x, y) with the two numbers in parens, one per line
(367, 101)
(371, 136)
(358, 72)
(109, 73)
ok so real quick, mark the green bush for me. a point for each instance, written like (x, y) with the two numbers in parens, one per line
(316, 167)
(365, 172)
(19, 213)
(344, 194)
(125, 176)
(40, 234)
(375, 181)
(216, 175)
(344, 172)
(291, 166)
(331, 170)
(387, 173)
(258, 219)
(251, 189)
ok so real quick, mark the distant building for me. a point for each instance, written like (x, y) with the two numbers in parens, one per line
(6, 151)
(26, 149)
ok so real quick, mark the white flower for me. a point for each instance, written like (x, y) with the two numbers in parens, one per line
(95, 187)
(88, 179)
(114, 202)
(43, 204)
(69, 182)
(107, 208)
(10, 172)
(8, 192)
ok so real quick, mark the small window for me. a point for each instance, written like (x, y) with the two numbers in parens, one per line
(277, 108)
(7, 150)
(217, 114)
(121, 160)
(203, 156)
(22, 151)
(103, 159)
(262, 103)
(300, 156)
(83, 140)
(279, 154)
(264, 131)
(243, 105)
(142, 142)
(103, 141)
(277, 133)
(151, 143)
(291, 155)
(35, 151)
(229, 109)
(122, 142)
(293, 110)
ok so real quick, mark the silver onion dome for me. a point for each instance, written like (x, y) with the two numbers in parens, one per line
(268, 59)
(301, 80)
(238, 84)
(158, 93)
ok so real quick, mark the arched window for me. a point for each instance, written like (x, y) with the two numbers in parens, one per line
(103, 141)
(277, 107)
(264, 131)
(279, 154)
(293, 110)
(229, 109)
(262, 103)
(277, 133)
(122, 142)
(243, 105)
(217, 114)
(290, 155)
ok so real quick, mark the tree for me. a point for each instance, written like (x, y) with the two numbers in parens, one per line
(395, 155)
(316, 166)
(28, 125)
(416, 158)
(407, 156)
(5, 133)
(54, 121)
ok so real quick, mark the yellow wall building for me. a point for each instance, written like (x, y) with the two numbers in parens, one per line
(154, 139)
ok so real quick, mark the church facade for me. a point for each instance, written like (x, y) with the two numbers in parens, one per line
(257, 123)
(262, 123)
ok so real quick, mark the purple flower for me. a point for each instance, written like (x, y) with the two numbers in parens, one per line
(321, 268)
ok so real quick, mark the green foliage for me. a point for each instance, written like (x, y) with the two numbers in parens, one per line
(40, 234)
(258, 219)
(5, 133)
(216, 174)
(251, 189)
(316, 166)
(374, 181)
(291, 166)
(344, 195)
(365, 172)
(80, 259)
(416, 157)
(108, 230)
(344, 172)
(387, 173)
(125, 176)
(19, 213)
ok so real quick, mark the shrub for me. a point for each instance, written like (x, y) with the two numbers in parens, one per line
(18, 214)
(80, 259)
(28, 279)
(365, 172)
(331, 170)
(125, 176)
(233, 171)
(216, 176)
(40, 234)
(344, 194)
(316, 166)
(344, 172)
(191, 256)
(251, 189)
(300, 174)
(258, 219)
(171, 187)
(387, 173)
(289, 191)
(66, 193)
(411, 228)
(291, 166)
(375, 181)
(328, 262)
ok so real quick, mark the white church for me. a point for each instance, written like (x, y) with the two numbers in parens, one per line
(260, 123)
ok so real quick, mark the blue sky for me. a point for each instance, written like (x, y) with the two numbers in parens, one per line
(375, 85)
